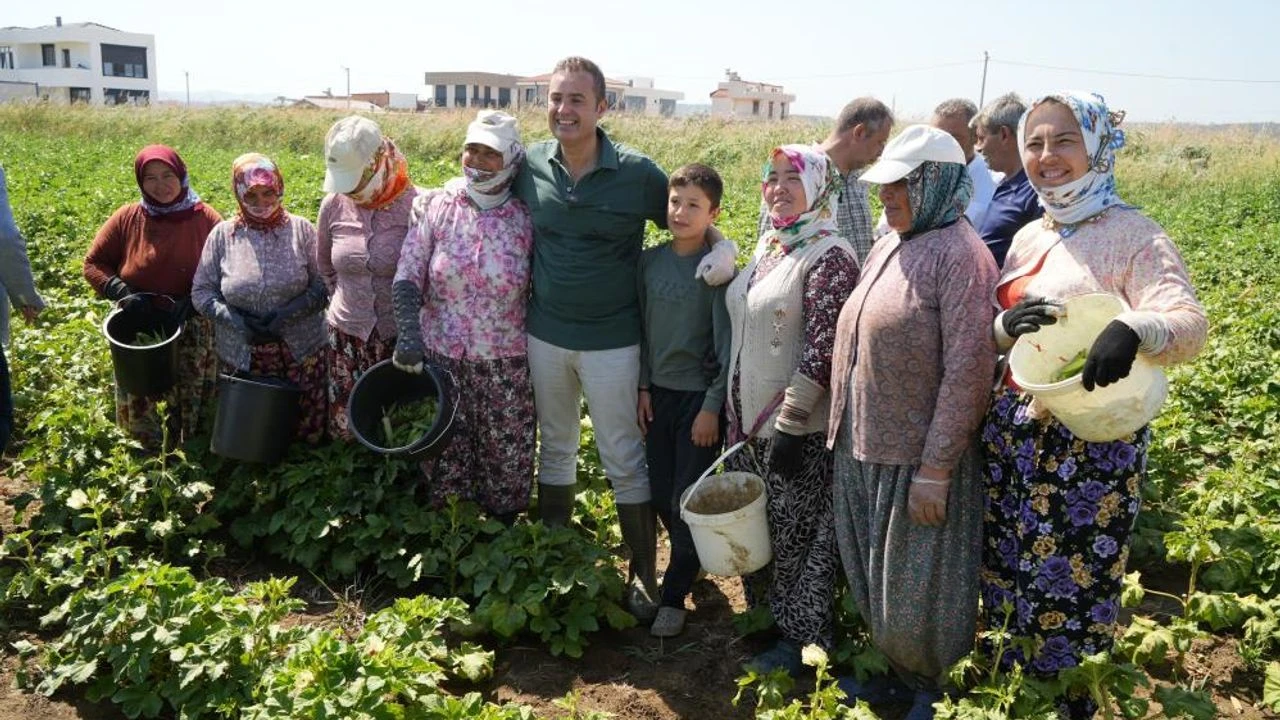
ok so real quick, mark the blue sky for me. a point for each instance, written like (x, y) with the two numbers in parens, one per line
(825, 51)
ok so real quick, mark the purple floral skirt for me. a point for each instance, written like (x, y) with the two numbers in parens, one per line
(1059, 512)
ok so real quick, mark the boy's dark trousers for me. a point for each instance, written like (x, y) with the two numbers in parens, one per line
(674, 464)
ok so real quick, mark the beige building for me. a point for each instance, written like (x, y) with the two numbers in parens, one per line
(471, 89)
(746, 100)
(80, 62)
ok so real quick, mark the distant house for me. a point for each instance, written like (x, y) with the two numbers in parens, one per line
(642, 98)
(388, 100)
(471, 89)
(81, 62)
(742, 99)
(329, 102)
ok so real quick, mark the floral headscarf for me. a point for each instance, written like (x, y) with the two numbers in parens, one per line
(187, 199)
(386, 176)
(938, 193)
(818, 174)
(1085, 197)
(254, 170)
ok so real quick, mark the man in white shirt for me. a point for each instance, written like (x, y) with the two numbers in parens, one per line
(953, 117)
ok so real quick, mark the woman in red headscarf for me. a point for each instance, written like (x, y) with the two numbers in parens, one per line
(153, 246)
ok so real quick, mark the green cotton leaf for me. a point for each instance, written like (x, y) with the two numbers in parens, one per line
(473, 666)
(1180, 702)
(1271, 687)
(1132, 592)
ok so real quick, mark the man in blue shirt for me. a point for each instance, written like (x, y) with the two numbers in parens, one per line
(1014, 203)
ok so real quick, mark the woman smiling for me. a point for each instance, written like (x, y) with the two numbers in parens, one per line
(783, 308)
(1059, 509)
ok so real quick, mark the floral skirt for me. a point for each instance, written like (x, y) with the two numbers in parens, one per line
(1059, 512)
(800, 581)
(186, 401)
(275, 360)
(490, 458)
(349, 357)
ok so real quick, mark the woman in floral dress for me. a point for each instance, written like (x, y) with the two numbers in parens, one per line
(259, 282)
(1060, 510)
(460, 292)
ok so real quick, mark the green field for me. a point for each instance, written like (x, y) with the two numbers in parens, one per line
(118, 560)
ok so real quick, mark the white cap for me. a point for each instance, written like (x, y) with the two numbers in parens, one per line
(912, 146)
(495, 129)
(348, 149)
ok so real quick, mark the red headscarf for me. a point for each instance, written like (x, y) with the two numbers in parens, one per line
(252, 170)
(187, 201)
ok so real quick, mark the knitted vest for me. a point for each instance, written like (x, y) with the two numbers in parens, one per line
(768, 334)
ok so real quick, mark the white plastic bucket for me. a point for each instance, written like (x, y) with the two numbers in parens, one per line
(1107, 413)
(734, 542)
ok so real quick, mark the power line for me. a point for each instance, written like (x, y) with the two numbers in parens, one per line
(1152, 76)
(856, 73)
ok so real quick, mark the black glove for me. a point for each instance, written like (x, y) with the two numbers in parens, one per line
(237, 319)
(259, 328)
(1028, 316)
(785, 453)
(182, 310)
(273, 320)
(124, 296)
(1111, 357)
(116, 289)
(410, 349)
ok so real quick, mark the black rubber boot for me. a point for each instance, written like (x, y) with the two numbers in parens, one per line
(555, 504)
(640, 533)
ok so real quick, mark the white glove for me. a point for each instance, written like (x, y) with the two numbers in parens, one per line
(927, 501)
(720, 265)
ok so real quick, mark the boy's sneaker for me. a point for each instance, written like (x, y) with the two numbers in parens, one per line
(668, 623)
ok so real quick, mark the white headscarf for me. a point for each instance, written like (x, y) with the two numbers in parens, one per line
(499, 131)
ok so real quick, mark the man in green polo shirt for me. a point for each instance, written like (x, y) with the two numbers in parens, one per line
(590, 198)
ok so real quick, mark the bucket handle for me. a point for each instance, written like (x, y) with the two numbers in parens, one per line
(453, 382)
(693, 489)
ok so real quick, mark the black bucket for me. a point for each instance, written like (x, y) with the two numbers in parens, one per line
(257, 418)
(148, 370)
(384, 385)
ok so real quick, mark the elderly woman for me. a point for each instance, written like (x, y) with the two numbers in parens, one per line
(153, 246)
(363, 222)
(259, 281)
(1059, 509)
(783, 308)
(913, 365)
(460, 292)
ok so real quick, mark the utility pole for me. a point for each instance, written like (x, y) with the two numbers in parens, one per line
(348, 86)
(982, 94)
(187, 76)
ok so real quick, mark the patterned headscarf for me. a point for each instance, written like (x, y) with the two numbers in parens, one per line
(1083, 198)
(187, 199)
(818, 174)
(384, 179)
(938, 193)
(254, 170)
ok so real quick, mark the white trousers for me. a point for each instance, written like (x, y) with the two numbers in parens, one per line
(608, 379)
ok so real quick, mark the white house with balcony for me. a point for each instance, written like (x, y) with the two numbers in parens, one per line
(80, 62)
(746, 100)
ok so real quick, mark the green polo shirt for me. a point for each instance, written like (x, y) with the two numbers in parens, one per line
(587, 238)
